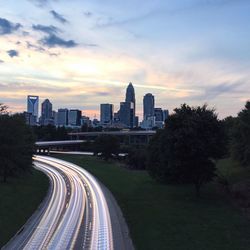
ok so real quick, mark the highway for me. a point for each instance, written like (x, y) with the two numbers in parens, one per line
(76, 215)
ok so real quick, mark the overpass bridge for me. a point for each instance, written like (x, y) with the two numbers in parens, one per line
(126, 136)
(78, 138)
(47, 146)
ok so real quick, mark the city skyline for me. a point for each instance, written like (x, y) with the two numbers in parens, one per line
(80, 54)
(124, 117)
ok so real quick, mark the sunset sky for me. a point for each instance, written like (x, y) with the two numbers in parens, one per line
(81, 53)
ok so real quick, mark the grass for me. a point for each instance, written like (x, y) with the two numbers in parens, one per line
(167, 216)
(232, 170)
(19, 198)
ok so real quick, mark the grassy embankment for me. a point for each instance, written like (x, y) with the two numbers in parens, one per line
(170, 217)
(233, 172)
(19, 198)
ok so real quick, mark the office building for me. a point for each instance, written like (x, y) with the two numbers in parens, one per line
(165, 114)
(159, 122)
(62, 117)
(117, 117)
(32, 106)
(46, 113)
(74, 117)
(106, 114)
(148, 106)
(136, 122)
(30, 119)
(54, 117)
(158, 114)
(126, 114)
(148, 123)
(95, 123)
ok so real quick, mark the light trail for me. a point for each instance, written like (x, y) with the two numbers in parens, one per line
(77, 215)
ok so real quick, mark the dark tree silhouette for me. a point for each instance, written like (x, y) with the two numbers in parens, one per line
(16, 147)
(185, 150)
(229, 124)
(107, 146)
(50, 133)
(241, 136)
(136, 158)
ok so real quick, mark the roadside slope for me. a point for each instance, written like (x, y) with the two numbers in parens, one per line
(20, 198)
(168, 216)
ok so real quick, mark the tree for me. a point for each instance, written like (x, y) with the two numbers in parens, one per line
(229, 124)
(62, 133)
(184, 152)
(50, 133)
(136, 158)
(107, 146)
(16, 147)
(3, 109)
(241, 136)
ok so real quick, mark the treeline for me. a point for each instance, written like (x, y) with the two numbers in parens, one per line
(186, 150)
(238, 136)
(16, 144)
(50, 133)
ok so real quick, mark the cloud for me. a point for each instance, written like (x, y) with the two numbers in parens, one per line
(166, 10)
(25, 33)
(40, 3)
(220, 89)
(34, 47)
(1, 61)
(46, 29)
(88, 14)
(90, 45)
(35, 88)
(54, 54)
(58, 17)
(7, 27)
(40, 49)
(54, 41)
(13, 53)
(102, 93)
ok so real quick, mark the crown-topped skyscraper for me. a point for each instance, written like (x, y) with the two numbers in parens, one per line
(127, 108)
(130, 94)
(130, 97)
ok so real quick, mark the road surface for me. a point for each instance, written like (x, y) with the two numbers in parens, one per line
(76, 215)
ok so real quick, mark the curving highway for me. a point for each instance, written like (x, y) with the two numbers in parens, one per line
(76, 215)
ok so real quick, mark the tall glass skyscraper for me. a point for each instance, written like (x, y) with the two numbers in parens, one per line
(62, 117)
(74, 117)
(148, 106)
(130, 94)
(126, 113)
(130, 98)
(107, 113)
(46, 116)
(32, 105)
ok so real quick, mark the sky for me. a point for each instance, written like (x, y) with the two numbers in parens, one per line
(81, 53)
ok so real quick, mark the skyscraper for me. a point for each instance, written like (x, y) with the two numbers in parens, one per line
(126, 114)
(159, 122)
(148, 106)
(158, 114)
(107, 113)
(74, 117)
(130, 97)
(32, 105)
(62, 117)
(165, 114)
(130, 94)
(46, 116)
